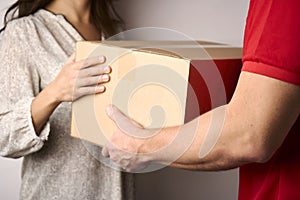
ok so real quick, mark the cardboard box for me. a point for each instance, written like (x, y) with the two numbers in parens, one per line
(156, 83)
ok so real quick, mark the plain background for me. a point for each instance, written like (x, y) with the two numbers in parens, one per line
(214, 20)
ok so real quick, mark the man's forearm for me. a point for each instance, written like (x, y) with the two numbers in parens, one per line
(249, 129)
(206, 143)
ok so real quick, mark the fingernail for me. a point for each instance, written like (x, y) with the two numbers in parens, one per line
(109, 110)
(107, 69)
(102, 59)
(105, 77)
(101, 88)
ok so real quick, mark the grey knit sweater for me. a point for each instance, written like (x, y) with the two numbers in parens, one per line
(33, 50)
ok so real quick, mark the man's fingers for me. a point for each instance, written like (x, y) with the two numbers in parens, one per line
(111, 112)
(122, 121)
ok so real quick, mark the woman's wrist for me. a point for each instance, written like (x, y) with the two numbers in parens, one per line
(53, 94)
(42, 107)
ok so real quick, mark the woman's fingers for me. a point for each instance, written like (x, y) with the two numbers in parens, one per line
(82, 78)
(91, 61)
(83, 91)
(90, 76)
(92, 81)
(94, 71)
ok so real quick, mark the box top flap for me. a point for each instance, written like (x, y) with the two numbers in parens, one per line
(151, 43)
(190, 50)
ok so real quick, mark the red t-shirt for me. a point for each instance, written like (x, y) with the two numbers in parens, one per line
(272, 48)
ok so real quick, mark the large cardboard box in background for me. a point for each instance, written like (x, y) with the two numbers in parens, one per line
(156, 83)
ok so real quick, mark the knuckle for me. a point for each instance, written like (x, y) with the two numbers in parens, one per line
(78, 93)
(88, 72)
(92, 81)
(75, 66)
(74, 96)
(72, 76)
(86, 62)
(91, 90)
(96, 71)
(88, 82)
(80, 64)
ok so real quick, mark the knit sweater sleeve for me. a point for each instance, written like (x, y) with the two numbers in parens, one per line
(19, 84)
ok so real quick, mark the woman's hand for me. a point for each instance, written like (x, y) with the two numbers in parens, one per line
(78, 79)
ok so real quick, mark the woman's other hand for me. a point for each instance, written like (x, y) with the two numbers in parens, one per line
(78, 79)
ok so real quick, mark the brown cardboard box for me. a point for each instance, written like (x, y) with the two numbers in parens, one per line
(156, 83)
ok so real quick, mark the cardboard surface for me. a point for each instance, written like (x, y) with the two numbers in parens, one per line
(157, 84)
(142, 86)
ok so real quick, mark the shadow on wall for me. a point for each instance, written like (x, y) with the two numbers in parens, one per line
(178, 184)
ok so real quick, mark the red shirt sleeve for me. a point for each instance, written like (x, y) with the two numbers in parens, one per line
(272, 39)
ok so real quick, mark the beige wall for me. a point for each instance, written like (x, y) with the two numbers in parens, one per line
(9, 169)
(217, 20)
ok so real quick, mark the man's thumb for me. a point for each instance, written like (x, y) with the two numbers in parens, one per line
(122, 121)
(110, 111)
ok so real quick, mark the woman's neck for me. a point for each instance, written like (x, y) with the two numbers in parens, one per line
(76, 11)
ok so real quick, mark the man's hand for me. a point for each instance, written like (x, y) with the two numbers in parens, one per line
(248, 129)
(126, 145)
